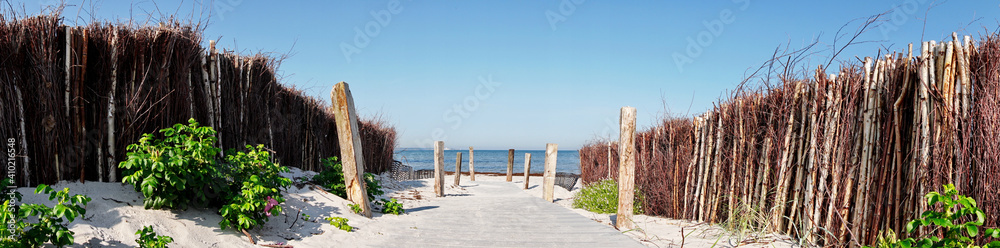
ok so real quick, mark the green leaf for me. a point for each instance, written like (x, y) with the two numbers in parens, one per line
(972, 230)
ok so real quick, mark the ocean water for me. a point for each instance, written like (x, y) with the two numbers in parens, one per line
(490, 160)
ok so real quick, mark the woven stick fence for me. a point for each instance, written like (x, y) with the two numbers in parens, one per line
(834, 159)
(75, 97)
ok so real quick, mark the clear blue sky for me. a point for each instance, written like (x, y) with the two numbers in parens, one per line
(546, 71)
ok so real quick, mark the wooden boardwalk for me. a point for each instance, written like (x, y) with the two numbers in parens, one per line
(498, 214)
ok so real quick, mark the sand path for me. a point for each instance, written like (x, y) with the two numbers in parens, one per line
(496, 214)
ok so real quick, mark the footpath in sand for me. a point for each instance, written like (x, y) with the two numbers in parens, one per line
(497, 214)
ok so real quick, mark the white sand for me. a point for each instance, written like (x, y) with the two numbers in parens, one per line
(116, 213)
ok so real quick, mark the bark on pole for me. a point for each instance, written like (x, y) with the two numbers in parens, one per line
(527, 168)
(549, 178)
(626, 169)
(351, 152)
(458, 168)
(112, 166)
(439, 168)
(472, 167)
(510, 164)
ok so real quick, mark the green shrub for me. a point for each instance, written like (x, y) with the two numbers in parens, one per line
(340, 223)
(175, 170)
(392, 207)
(255, 193)
(332, 178)
(602, 197)
(355, 208)
(957, 208)
(51, 222)
(149, 239)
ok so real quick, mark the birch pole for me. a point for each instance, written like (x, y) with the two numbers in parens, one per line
(549, 177)
(352, 154)
(472, 167)
(626, 169)
(112, 172)
(527, 168)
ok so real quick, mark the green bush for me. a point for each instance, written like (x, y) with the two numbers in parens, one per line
(332, 178)
(392, 207)
(255, 193)
(355, 208)
(149, 239)
(602, 197)
(51, 221)
(957, 208)
(340, 223)
(176, 170)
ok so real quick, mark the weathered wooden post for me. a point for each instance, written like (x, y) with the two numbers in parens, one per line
(439, 168)
(350, 146)
(458, 168)
(510, 164)
(527, 168)
(549, 178)
(626, 169)
(472, 167)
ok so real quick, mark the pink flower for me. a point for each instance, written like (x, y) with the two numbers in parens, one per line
(270, 204)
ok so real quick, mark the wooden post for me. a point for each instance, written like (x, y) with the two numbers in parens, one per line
(439, 168)
(458, 168)
(626, 169)
(527, 168)
(351, 154)
(472, 167)
(549, 177)
(510, 164)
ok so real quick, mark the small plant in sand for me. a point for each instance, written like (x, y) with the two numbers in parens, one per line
(959, 223)
(392, 207)
(602, 197)
(355, 208)
(340, 223)
(175, 169)
(149, 239)
(255, 189)
(305, 217)
(51, 221)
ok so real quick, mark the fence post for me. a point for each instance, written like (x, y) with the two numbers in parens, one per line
(351, 154)
(510, 164)
(527, 168)
(458, 168)
(439, 168)
(626, 169)
(549, 178)
(472, 167)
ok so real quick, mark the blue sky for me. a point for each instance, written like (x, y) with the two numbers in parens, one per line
(520, 74)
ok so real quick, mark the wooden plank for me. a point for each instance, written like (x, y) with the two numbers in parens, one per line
(458, 168)
(472, 167)
(510, 164)
(439, 168)
(527, 168)
(626, 169)
(549, 177)
(351, 153)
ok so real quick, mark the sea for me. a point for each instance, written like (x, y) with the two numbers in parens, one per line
(490, 160)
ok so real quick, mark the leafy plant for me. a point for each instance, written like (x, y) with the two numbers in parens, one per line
(340, 223)
(392, 207)
(305, 217)
(355, 208)
(51, 221)
(956, 208)
(174, 170)
(149, 239)
(602, 197)
(257, 196)
(332, 178)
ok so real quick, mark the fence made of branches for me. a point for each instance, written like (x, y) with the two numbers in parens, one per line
(833, 159)
(74, 97)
